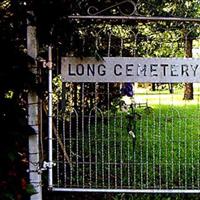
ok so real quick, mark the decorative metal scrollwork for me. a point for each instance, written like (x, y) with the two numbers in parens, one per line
(125, 8)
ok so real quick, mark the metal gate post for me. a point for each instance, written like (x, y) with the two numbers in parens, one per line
(50, 131)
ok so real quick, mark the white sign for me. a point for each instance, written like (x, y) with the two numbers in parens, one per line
(130, 69)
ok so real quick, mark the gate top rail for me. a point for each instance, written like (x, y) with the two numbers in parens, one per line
(140, 18)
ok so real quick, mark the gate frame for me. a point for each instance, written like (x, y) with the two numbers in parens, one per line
(50, 163)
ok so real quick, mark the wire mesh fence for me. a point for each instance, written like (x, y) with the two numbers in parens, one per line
(105, 141)
(150, 141)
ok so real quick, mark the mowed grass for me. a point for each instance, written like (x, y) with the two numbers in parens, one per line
(169, 137)
(168, 141)
(162, 97)
(164, 153)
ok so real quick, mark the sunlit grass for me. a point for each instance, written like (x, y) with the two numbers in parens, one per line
(170, 144)
(163, 97)
(165, 152)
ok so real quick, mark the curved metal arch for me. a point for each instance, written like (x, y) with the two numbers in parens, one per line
(92, 10)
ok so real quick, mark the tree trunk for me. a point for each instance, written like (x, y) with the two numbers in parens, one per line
(188, 90)
(171, 88)
(153, 87)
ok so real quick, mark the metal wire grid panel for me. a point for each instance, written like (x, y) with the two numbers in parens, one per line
(101, 144)
(151, 145)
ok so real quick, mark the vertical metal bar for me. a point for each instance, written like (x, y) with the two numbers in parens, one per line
(77, 150)
(185, 152)
(70, 149)
(90, 149)
(135, 46)
(172, 150)
(83, 136)
(166, 154)
(57, 127)
(63, 106)
(57, 148)
(108, 115)
(121, 47)
(141, 161)
(128, 160)
(64, 145)
(179, 153)
(147, 154)
(192, 153)
(172, 142)
(50, 105)
(154, 154)
(121, 151)
(134, 155)
(198, 140)
(198, 143)
(108, 137)
(162, 144)
(109, 42)
(160, 149)
(121, 129)
(115, 150)
(96, 137)
(102, 150)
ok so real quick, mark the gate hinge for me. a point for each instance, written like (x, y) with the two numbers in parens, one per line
(47, 165)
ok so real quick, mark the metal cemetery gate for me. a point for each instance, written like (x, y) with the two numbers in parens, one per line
(112, 134)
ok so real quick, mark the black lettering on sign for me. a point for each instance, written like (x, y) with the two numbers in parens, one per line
(117, 70)
(141, 69)
(90, 69)
(184, 70)
(174, 70)
(194, 69)
(164, 68)
(71, 73)
(153, 69)
(129, 69)
(101, 70)
(80, 69)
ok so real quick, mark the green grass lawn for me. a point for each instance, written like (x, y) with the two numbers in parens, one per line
(168, 142)
(163, 155)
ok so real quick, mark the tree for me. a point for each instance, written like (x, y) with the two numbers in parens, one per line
(15, 82)
(188, 90)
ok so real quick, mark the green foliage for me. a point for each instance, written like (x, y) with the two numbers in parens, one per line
(15, 82)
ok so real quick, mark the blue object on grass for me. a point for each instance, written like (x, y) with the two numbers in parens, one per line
(127, 89)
